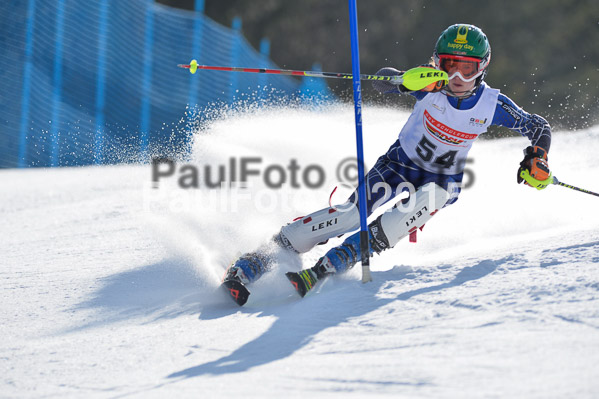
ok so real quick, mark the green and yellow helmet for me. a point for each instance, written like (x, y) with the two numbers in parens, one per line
(463, 50)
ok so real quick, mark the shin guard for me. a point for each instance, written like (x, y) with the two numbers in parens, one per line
(303, 234)
(408, 216)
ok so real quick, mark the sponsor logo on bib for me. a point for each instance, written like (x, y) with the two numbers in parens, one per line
(478, 122)
(444, 133)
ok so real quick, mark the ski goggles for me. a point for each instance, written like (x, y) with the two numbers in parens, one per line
(467, 68)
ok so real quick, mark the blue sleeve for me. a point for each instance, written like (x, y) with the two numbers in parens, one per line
(533, 126)
(418, 94)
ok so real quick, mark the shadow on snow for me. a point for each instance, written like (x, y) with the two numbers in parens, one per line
(299, 321)
(166, 289)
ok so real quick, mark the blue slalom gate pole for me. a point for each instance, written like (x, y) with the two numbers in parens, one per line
(355, 58)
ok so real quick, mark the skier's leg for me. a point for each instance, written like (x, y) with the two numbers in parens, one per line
(249, 267)
(303, 234)
(384, 232)
(297, 237)
(387, 230)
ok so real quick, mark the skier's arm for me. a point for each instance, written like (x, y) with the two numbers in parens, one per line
(385, 86)
(532, 126)
(534, 169)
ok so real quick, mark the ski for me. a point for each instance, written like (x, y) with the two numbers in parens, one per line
(237, 291)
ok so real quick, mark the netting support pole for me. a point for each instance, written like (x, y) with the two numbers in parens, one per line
(146, 92)
(235, 50)
(193, 115)
(25, 97)
(57, 85)
(196, 52)
(100, 84)
(263, 79)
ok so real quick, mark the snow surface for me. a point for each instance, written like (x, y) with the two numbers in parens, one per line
(109, 285)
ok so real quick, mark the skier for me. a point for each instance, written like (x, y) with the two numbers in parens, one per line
(429, 155)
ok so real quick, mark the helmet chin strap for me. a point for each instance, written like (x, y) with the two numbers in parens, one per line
(448, 92)
(466, 94)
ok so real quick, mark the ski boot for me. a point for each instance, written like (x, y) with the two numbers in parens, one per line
(242, 272)
(336, 260)
(340, 258)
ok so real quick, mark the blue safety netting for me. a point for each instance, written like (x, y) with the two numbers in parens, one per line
(96, 81)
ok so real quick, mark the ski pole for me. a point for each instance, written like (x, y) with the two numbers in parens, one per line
(413, 79)
(559, 183)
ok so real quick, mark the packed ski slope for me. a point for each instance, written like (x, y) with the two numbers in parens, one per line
(109, 285)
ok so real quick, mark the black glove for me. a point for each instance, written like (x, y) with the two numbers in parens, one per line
(385, 86)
